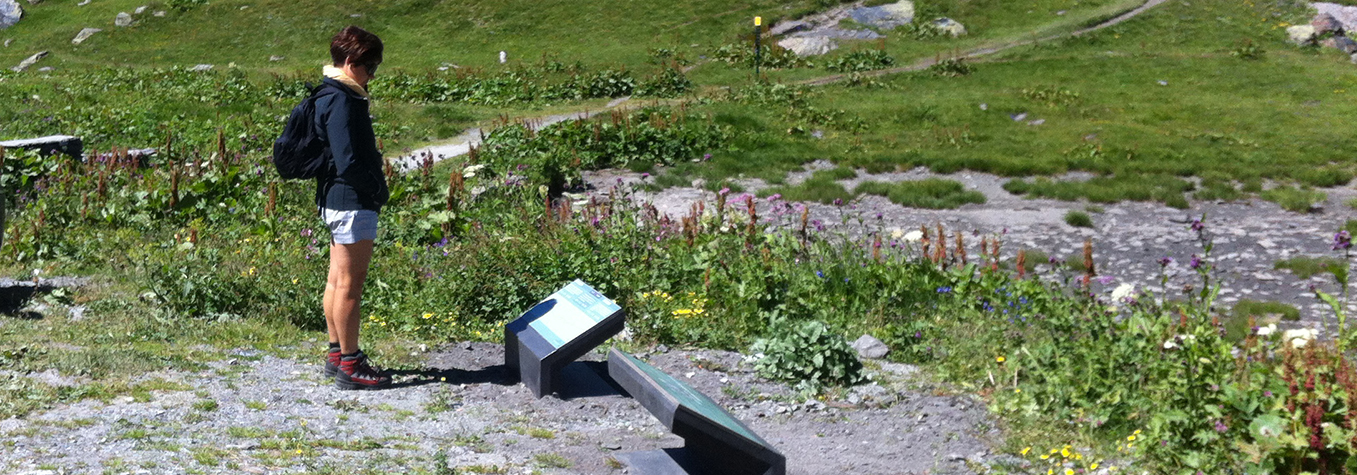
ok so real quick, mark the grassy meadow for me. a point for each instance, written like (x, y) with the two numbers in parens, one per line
(1192, 100)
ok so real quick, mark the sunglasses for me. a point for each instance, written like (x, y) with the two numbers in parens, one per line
(372, 68)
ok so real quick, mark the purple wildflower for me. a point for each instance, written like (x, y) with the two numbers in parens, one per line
(1105, 279)
(1221, 427)
(1342, 241)
(1197, 225)
(775, 197)
(645, 175)
(706, 157)
(1165, 261)
(838, 202)
(1196, 262)
(724, 191)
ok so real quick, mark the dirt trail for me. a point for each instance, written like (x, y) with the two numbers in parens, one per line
(991, 49)
(462, 144)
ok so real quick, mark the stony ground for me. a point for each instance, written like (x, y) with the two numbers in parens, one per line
(1129, 238)
(256, 413)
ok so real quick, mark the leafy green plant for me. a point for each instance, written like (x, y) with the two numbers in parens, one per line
(951, 68)
(861, 60)
(807, 353)
(1248, 50)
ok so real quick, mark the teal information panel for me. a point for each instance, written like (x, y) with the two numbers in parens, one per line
(694, 400)
(578, 308)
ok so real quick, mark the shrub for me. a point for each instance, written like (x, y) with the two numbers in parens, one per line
(951, 68)
(807, 353)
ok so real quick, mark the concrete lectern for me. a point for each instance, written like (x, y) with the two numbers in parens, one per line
(715, 443)
(557, 331)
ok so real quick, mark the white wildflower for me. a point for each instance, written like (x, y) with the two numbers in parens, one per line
(1170, 344)
(1267, 330)
(897, 233)
(1123, 291)
(914, 236)
(1299, 337)
(470, 172)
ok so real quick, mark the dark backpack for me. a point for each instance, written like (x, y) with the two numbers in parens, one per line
(299, 154)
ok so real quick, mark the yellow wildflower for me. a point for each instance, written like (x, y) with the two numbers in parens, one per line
(999, 359)
(1093, 466)
(1069, 471)
(1024, 451)
(1065, 452)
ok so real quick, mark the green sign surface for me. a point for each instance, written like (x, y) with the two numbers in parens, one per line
(694, 400)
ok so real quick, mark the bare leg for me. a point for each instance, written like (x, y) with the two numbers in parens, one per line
(344, 292)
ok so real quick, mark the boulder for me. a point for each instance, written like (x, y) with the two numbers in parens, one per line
(84, 34)
(885, 17)
(1346, 15)
(10, 13)
(1302, 35)
(869, 347)
(159, 14)
(123, 19)
(950, 26)
(25, 64)
(1353, 58)
(809, 45)
(140, 10)
(64, 144)
(1341, 43)
(788, 27)
(1326, 23)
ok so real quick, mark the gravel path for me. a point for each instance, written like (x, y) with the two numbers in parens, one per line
(256, 413)
(1129, 238)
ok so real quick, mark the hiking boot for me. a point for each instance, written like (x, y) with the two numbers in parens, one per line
(355, 372)
(332, 363)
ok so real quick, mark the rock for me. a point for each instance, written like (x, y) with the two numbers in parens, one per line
(1346, 15)
(788, 27)
(123, 19)
(809, 45)
(1326, 23)
(34, 2)
(8, 41)
(140, 10)
(1342, 43)
(885, 17)
(84, 34)
(10, 13)
(950, 26)
(201, 68)
(1301, 35)
(277, 58)
(869, 347)
(25, 64)
(45, 69)
(1353, 58)
(48, 145)
(158, 14)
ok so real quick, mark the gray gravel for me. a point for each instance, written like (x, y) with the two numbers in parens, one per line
(462, 412)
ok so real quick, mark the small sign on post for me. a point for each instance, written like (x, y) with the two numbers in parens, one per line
(557, 331)
(715, 443)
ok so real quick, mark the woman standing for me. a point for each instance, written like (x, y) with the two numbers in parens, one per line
(349, 196)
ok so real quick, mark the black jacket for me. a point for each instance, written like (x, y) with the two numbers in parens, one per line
(355, 181)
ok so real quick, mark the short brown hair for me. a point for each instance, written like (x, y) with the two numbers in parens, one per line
(355, 46)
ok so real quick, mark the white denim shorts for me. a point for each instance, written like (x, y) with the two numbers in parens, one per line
(349, 227)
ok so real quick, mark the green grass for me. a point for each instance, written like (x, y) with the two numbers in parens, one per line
(1078, 219)
(1290, 198)
(1262, 312)
(1306, 267)
(821, 187)
(932, 193)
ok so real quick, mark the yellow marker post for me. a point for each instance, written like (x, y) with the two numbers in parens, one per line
(758, 31)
